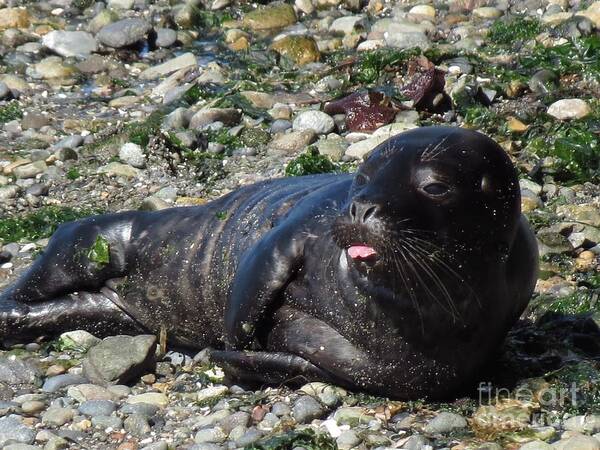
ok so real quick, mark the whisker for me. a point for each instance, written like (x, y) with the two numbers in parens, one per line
(435, 278)
(438, 282)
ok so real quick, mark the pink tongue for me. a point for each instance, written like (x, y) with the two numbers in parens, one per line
(361, 251)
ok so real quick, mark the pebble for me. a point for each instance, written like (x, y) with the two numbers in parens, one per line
(14, 18)
(18, 371)
(317, 121)
(123, 33)
(12, 430)
(347, 24)
(104, 422)
(536, 445)
(270, 17)
(487, 12)
(55, 417)
(154, 398)
(165, 37)
(347, 440)
(352, 416)
(205, 117)
(173, 65)
(5, 92)
(293, 142)
(83, 392)
(280, 125)
(306, 408)
(361, 149)
(80, 339)
(423, 10)
(70, 43)
(70, 142)
(32, 407)
(445, 422)
(140, 408)
(578, 442)
(237, 419)
(211, 435)
(58, 382)
(30, 170)
(569, 108)
(97, 408)
(137, 425)
(132, 154)
(211, 393)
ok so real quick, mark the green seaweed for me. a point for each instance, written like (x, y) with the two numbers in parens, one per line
(482, 118)
(39, 224)
(64, 343)
(140, 132)
(310, 163)
(579, 302)
(10, 111)
(203, 92)
(573, 147)
(519, 29)
(307, 439)
(581, 384)
(73, 173)
(371, 64)
(224, 137)
(99, 252)
(577, 56)
(238, 101)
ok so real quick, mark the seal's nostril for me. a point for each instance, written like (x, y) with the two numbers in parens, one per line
(361, 212)
(369, 212)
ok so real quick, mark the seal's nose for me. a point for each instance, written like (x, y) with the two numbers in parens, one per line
(361, 211)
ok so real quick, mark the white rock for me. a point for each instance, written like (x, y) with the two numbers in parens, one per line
(305, 6)
(347, 24)
(168, 67)
(371, 44)
(423, 10)
(70, 43)
(317, 121)
(487, 12)
(569, 108)
(362, 149)
(121, 4)
(133, 155)
(212, 392)
(393, 129)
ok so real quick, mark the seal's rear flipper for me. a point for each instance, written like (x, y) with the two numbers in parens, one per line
(267, 368)
(93, 312)
(81, 255)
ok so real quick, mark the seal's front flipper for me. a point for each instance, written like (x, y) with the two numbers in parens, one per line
(267, 368)
(263, 273)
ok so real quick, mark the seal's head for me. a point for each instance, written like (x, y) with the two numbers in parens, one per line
(427, 199)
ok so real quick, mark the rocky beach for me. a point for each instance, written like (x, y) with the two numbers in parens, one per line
(151, 104)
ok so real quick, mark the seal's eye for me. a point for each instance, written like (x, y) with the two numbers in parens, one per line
(360, 179)
(436, 189)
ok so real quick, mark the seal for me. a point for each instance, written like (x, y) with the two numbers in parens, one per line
(400, 280)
